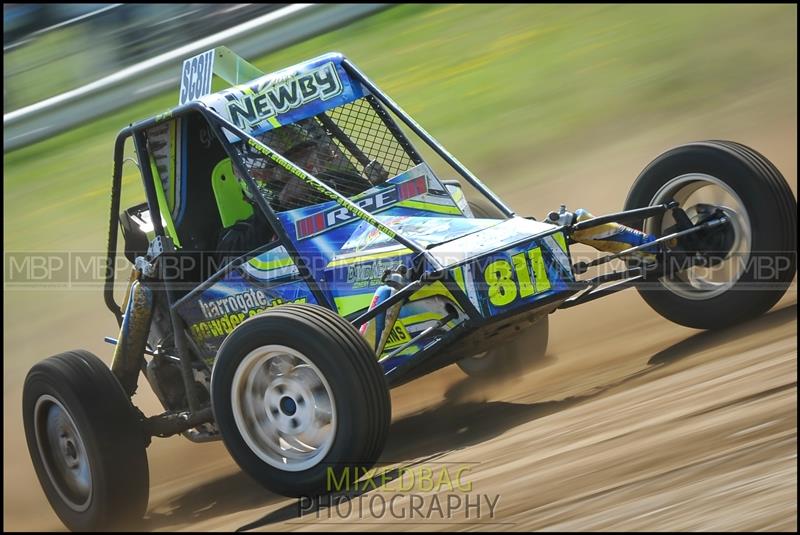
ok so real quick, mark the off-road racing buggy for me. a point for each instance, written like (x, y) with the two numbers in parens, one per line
(305, 245)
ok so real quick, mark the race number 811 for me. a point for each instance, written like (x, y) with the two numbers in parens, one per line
(506, 281)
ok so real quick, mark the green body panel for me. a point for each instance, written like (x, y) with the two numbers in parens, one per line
(230, 198)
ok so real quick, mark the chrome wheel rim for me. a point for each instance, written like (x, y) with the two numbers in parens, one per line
(63, 453)
(283, 407)
(699, 195)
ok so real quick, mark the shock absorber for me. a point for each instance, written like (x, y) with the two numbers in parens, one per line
(608, 237)
(129, 351)
(377, 330)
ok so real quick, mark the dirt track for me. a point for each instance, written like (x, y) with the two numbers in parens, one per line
(630, 422)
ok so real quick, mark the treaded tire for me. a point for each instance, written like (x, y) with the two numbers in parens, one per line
(771, 208)
(109, 430)
(348, 364)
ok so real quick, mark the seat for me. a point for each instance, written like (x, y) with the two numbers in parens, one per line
(242, 229)
(232, 205)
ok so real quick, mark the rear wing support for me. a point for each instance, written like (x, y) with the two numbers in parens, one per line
(198, 72)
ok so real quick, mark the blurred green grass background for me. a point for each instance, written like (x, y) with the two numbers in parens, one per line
(30, 82)
(500, 85)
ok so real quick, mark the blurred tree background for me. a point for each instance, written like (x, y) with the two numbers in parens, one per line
(51, 48)
(503, 86)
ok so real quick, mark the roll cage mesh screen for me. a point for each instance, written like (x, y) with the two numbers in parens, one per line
(361, 123)
(350, 148)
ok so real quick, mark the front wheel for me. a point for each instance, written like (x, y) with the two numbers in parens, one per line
(300, 400)
(755, 253)
(85, 442)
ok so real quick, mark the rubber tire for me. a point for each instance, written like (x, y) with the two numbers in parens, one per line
(109, 427)
(772, 210)
(512, 359)
(360, 392)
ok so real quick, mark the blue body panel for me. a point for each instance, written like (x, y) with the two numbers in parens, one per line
(287, 96)
(213, 314)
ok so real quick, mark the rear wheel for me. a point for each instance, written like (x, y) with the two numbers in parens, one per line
(298, 396)
(756, 252)
(85, 442)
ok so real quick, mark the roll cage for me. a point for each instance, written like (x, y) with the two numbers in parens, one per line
(429, 269)
(221, 129)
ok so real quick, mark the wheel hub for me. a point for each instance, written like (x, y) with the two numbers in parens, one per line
(720, 241)
(70, 452)
(63, 453)
(283, 408)
(701, 195)
(288, 406)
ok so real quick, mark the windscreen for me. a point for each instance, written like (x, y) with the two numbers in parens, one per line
(350, 148)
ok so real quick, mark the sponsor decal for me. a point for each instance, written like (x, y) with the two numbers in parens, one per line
(196, 77)
(240, 302)
(339, 215)
(225, 313)
(368, 274)
(398, 336)
(278, 96)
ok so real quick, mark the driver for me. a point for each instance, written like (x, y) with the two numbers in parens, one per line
(281, 189)
(285, 191)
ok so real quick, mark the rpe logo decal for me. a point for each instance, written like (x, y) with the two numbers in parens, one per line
(196, 77)
(381, 200)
